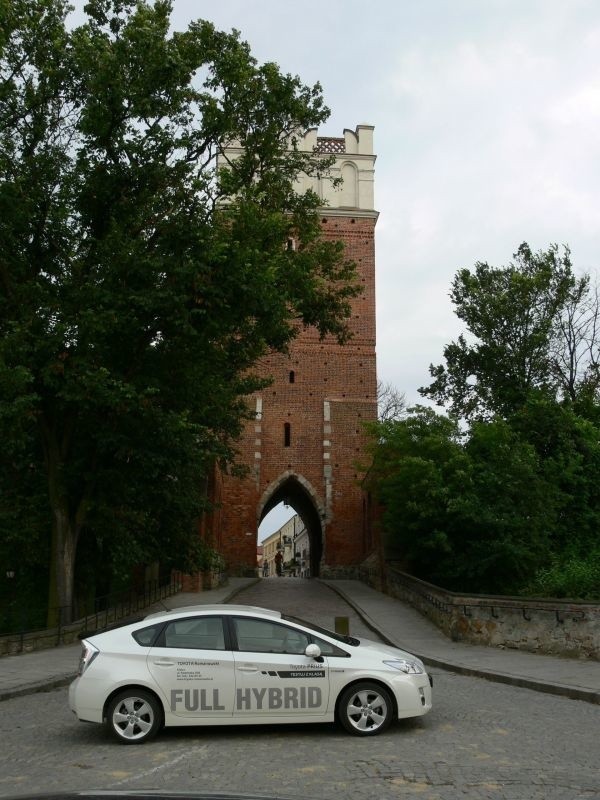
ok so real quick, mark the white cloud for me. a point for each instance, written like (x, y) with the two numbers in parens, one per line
(483, 158)
(580, 108)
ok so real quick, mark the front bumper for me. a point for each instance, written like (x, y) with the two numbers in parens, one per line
(413, 695)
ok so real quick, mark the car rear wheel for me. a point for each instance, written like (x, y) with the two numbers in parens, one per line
(134, 716)
(365, 709)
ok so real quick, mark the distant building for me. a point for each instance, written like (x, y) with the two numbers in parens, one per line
(302, 553)
(280, 554)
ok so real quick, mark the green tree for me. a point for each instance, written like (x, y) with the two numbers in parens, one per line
(513, 341)
(507, 521)
(511, 503)
(140, 280)
(568, 451)
(418, 466)
(568, 446)
(465, 511)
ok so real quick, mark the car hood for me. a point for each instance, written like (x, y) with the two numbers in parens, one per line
(385, 649)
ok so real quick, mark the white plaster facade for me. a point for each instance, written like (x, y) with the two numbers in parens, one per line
(289, 540)
(354, 165)
(302, 553)
(279, 542)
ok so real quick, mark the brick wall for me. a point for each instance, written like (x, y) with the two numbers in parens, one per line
(325, 403)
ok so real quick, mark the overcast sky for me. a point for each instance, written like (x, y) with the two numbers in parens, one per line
(487, 134)
(487, 118)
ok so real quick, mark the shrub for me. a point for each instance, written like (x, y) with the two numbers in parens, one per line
(573, 576)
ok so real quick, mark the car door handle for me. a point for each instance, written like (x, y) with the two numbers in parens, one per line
(164, 663)
(248, 668)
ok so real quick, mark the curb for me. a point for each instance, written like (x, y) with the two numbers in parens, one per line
(571, 692)
(235, 592)
(36, 688)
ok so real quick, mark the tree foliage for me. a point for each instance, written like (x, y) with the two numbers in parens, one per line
(142, 273)
(453, 511)
(530, 328)
(501, 508)
(502, 495)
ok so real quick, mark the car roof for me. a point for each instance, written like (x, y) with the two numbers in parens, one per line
(215, 608)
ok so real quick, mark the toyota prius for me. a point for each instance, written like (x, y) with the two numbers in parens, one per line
(241, 665)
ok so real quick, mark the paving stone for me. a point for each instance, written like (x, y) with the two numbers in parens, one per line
(482, 740)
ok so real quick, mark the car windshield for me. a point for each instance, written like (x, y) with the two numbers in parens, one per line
(351, 640)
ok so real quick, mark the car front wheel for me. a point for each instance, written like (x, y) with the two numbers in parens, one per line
(365, 709)
(133, 716)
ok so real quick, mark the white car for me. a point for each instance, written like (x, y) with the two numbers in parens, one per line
(241, 665)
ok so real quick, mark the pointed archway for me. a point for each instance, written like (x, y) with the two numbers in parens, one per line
(296, 492)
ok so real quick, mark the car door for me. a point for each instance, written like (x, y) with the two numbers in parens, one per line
(273, 677)
(193, 665)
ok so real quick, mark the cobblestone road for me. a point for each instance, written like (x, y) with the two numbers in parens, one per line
(309, 600)
(482, 740)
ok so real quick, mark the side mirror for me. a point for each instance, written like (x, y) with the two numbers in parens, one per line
(312, 651)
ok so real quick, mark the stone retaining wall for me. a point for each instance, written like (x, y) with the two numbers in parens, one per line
(12, 644)
(551, 626)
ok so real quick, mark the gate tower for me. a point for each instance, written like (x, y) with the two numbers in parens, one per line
(307, 434)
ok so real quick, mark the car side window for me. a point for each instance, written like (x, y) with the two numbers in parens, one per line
(195, 633)
(262, 636)
(147, 636)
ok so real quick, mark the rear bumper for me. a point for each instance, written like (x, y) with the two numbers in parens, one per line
(83, 704)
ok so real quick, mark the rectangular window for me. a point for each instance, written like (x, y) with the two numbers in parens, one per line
(198, 633)
(261, 636)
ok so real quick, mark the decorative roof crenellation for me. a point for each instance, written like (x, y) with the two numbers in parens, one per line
(331, 144)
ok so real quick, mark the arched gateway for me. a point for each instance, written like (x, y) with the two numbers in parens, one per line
(295, 491)
(307, 434)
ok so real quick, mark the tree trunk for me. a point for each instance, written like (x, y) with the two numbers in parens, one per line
(65, 533)
(62, 567)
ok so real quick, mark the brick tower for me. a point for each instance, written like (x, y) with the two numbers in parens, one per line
(307, 435)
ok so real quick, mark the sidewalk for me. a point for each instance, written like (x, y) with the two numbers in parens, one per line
(42, 670)
(400, 625)
(394, 621)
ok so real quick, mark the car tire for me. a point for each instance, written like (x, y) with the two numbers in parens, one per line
(365, 709)
(134, 716)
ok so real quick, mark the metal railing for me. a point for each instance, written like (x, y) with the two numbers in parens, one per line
(72, 622)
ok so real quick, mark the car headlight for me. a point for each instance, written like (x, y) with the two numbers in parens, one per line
(404, 665)
(88, 654)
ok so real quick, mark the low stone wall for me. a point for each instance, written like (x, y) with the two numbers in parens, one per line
(348, 573)
(551, 626)
(11, 644)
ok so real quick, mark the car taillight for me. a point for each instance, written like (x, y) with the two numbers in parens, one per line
(88, 654)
